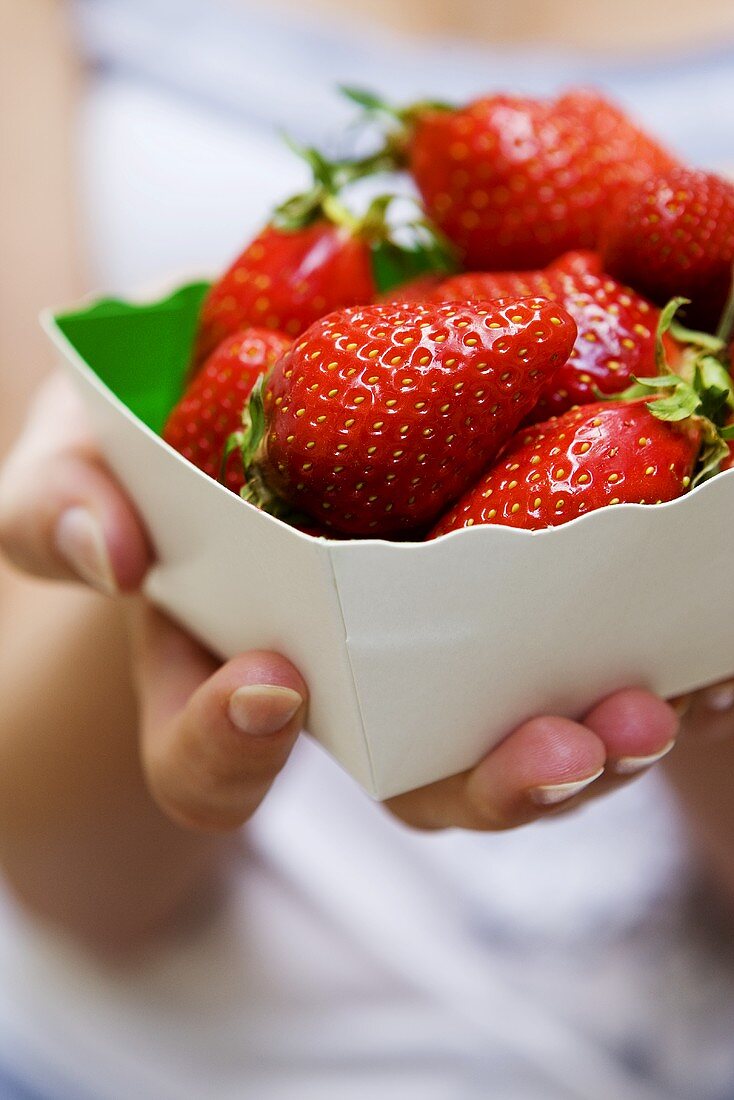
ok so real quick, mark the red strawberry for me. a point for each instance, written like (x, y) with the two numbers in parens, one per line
(616, 329)
(381, 415)
(211, 409)
(577, 263)
(286, 279)
(627, 155)
(607, 453)
(513, 181)
(675, 236)
(421, 289)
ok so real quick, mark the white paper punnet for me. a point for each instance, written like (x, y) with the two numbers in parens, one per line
(420, 657)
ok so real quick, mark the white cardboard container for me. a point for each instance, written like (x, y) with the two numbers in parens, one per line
(421, 657)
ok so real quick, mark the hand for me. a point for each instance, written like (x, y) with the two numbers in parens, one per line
(214, 738)
(549, 763)
(708, 715)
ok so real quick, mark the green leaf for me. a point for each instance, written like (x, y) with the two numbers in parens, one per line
(253, 424)
(393, 265)
(713, 453)
(703, 340)
(661, 382)
(679, 406)
(715, 375)
(725, 329)
(364, 98)
(142, 352)
(665, 320)
(373, 225)
(373, 103)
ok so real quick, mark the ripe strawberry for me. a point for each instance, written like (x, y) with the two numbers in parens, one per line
(421, 289)
(675, 235)
(580, 262)
(627, 155)
(606, 453)
(513, 181)
(616, 328)
(379, 416)
(286, 279)
(211, 408)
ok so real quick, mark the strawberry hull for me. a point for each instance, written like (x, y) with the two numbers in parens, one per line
(420, 656)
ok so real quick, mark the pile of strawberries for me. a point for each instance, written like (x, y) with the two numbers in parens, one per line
(512, 357)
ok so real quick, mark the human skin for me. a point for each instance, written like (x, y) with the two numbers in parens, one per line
(626, 25)
(128, 755)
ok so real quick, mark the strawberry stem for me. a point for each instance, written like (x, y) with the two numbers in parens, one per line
(667, 316)
(320, 200)
(725, 329)
(375, 105)
(400, 122)
(706, 393)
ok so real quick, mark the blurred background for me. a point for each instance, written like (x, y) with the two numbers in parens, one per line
(142, 136)
(187, 98)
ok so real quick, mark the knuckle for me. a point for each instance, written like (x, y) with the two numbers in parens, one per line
(207, 795)
(197, 805)
(417, 822)
(10, 513)
(484, 816)
(203, 819)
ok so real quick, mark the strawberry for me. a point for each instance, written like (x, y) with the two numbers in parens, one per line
(581, 262)
(616, 328)
(513, 181)
(627, 155)
(314, 256)
(675, 235)
(605, 453)
(211, 408)
(421, 289)
(380, 416)
(285, 279)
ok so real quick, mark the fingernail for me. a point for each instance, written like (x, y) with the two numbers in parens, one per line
(552, 793)
(630, 765)
(721, 697)
(260, 709)
(81, 543)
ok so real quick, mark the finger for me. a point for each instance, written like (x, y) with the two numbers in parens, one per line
(545, 762)
(710, 713)
(719, 699)
(637, 730)
(213, 741)
(62, 516)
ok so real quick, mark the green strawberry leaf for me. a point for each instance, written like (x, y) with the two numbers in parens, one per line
(393, 265)
(253, 424)
(660, 382)
(713, 453)
(374, 104)
(667, 316)
(679, 406)
(703, 340)
(725, 329)
(364, 98)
